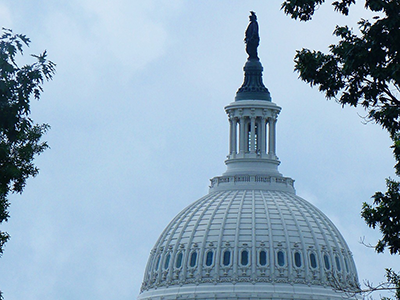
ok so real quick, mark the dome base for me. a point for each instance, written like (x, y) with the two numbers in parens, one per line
(251, 181)
(246, 291)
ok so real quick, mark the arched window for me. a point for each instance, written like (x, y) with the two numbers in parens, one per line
(297, 259)
(327, 262)
(313, 260)
(178, 262)
(166, 262)
(244, 258)
(209, 258)
(193, 259)
(346, 265)
(256, 137)
(262, 258)
(338, 266)
(249, 137)
(226, 260)
(158, 262)
(248, 141)
(281, 258)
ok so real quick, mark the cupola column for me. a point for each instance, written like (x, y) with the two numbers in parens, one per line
(252, 134)
(242, 136)
(271, 135)
(262, 136)
(233, 136)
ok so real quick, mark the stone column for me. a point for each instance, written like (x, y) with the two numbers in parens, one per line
(234, 141)
(262, 136)
(242, 135)
(271, 140)
(233, 136)
(231, 124)
(252, 134)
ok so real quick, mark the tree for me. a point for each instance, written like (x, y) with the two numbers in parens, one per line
(20, 137)
(363, 70)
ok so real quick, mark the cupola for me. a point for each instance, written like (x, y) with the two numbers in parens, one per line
(251, 237)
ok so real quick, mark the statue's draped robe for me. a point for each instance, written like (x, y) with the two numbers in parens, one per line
(252, 39)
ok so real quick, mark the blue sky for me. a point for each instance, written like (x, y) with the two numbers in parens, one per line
(138, 129)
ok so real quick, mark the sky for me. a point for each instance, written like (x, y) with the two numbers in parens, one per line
(138, 128)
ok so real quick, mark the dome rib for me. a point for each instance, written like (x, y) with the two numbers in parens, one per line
(328, 228)
(156, 253)
(221, 237)
(315, 241)
(271, 241)
(200, 205)
(341, 251)
(303, 249)
(237, 241)
(253, 238)
(282, 217)
(209, 223)
(194, 231)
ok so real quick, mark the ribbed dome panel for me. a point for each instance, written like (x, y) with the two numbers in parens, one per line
(253, 236)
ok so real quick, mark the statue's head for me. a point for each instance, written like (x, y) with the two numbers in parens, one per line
(253, 16)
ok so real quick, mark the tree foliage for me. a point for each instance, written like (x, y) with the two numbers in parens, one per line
(20, 137)
(363, 69)
(385, 213)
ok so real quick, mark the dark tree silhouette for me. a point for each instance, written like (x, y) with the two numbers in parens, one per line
(19, 135)
(363, 70)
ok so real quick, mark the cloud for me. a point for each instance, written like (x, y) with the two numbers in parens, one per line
(103, 38)
(5, 16)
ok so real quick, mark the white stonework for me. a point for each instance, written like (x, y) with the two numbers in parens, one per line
(251, 220)
(251, 237)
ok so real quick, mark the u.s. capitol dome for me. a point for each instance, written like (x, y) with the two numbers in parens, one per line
(251, 237)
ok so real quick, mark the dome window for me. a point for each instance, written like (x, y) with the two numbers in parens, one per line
(178, 262)
(346, 265)
(244, 258)
(167, 259)
(209, 258)
(338, 266)
(158, 262)
(262, 258)
(193, 259)
(313, 261)
(226, 260)
(327, 262)
(281, 258)
(297, 259)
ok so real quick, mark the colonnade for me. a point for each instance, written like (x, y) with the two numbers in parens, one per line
(255, 135)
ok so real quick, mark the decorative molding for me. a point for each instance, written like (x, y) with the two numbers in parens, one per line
(183, 236)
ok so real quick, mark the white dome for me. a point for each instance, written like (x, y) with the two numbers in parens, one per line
(251, 237)
(236, 243)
